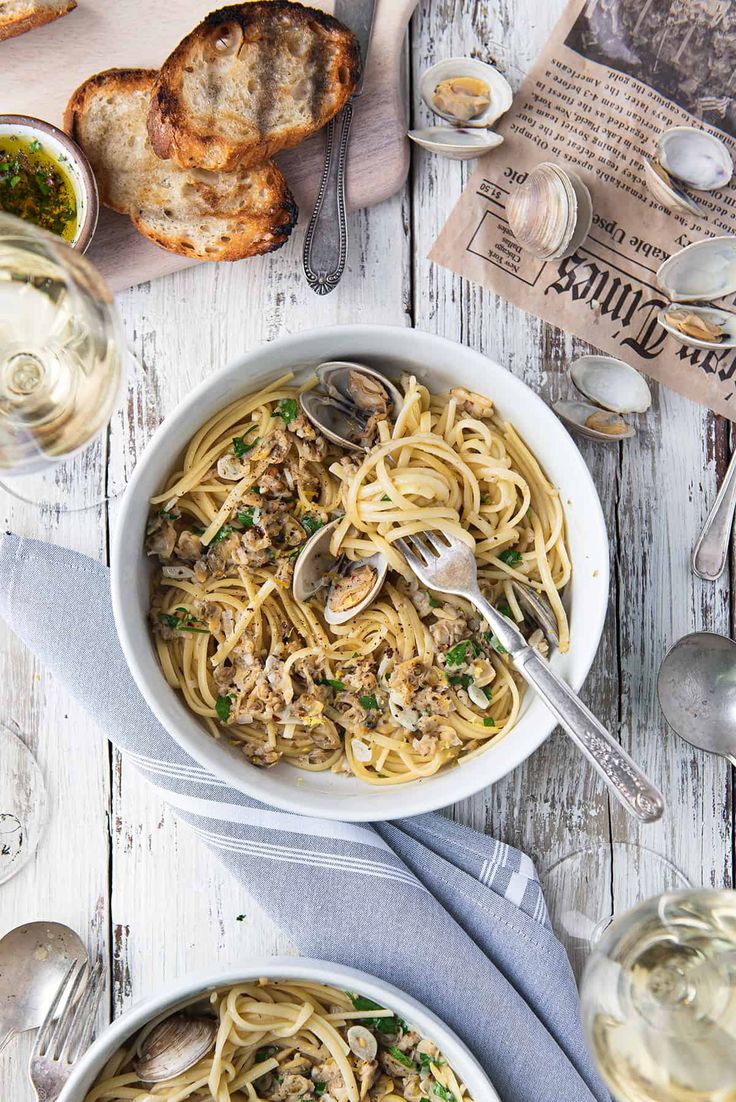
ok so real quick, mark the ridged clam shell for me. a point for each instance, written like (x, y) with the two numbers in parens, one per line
(551, 212)
(666, 192)
(173, 1046)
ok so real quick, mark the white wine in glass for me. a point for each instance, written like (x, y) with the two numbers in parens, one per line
(60, 351)
(658, 1000)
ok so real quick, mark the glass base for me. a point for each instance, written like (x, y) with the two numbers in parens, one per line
(586, 889)
(23, 802)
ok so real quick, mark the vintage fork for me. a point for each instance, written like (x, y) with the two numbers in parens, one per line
(66, 1031)
(446, 564)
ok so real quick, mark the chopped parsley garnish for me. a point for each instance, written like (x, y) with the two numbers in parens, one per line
(385, 498)
(488, 691)
(443, 1092)
(223, 704)
(400, 1056)
(34, 146)
(167, 515)
(426, 1061)
(287, 409)
(368, 701)
(460, 679)
(488, 721)
(311, 524)
(504, 609)
(434, 603)
(222, 534)
(181, 620)
(338, 686)
(383, 1025)
(248, 517)
(319, 1089)
(510, 557)
(490, 639)
(458, 654)
(241, 446)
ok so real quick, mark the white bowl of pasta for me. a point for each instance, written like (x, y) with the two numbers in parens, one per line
(323, 1001)
(407, 707)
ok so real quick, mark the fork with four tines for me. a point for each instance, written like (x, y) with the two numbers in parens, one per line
(447, 565)
(67, 1029)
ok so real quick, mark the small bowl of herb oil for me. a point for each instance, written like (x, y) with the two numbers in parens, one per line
(46, 179)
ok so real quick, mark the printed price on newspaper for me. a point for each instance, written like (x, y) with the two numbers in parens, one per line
(613, 77)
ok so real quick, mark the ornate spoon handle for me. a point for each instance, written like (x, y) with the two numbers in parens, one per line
(711, 550)
(326, 241)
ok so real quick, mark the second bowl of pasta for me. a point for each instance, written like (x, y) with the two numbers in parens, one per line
(332, 695)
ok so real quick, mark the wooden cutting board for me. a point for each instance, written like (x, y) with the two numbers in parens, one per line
(40, 69)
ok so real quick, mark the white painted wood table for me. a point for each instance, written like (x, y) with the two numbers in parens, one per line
(113, 863)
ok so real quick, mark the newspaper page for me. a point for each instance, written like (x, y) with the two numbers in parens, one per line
(612, 77)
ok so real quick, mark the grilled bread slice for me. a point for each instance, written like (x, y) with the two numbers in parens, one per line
(250, 80)
(19, 16)
(207, 215)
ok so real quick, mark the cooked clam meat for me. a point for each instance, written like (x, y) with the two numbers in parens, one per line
(463, 98)
(609, 423)
(695, 325)
(368, 394)
(350, 589)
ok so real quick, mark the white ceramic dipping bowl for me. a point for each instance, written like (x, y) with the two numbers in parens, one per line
(440, 364)
(61, 148)
(183, 991)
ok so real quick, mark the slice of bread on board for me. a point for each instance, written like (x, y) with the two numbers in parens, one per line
(206, 215)
(250, 80)
(19, 16)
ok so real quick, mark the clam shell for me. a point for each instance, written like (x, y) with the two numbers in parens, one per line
(576, 414)
(722, 318)
(331, 407)
(611, 384)
(665, 191)
(173, 1046)
(551, 212)
(703, 271)
(316, 562)
(536, 606)
(695, 156)
(456, 143)
(498, 87)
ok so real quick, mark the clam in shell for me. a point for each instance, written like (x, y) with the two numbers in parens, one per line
(347, 401)
(466, 92)
(592, 422)
(703, 327)
(352, 585)
(611, 384)
(551, 212)
(173, 1046)
(700, 272)
(696, 157)
(665, 191)
(456, 143)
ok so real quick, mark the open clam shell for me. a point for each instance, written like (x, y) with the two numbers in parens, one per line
(610, 383)
(456, 143)
(593, 422)
(550, 214)
(466, 92)
(348, 395)
(537, 608)
(666, 191)
(352, 585)
(704, 327)
(702, 271)
(695, 156)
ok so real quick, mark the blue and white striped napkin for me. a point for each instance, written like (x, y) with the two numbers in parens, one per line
(454, 918)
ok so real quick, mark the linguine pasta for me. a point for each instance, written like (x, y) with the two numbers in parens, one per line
(414, 681)
(294, 1042)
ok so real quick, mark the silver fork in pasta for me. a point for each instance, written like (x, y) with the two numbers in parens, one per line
(447, 565)
(67, 1030)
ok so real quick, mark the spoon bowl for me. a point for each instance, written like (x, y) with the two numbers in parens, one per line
(696, 687)
(34, 959)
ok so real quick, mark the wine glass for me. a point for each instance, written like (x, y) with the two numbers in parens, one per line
(658, 1000)
(586, 889)
(60, 365)
(23, 803)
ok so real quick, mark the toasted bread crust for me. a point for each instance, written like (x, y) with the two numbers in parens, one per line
(250, 230)
(12, 26)
(174, 131)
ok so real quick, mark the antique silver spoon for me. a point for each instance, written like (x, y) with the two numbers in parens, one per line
(34, 959)
(697, 692)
